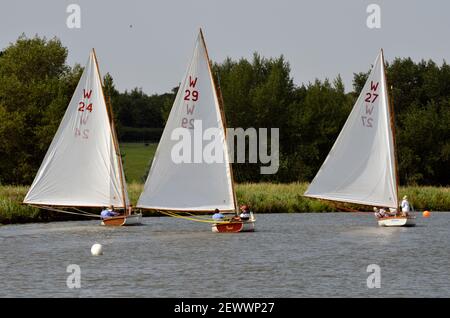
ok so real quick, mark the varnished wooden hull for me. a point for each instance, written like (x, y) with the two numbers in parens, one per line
(133, 219)
(234, 227)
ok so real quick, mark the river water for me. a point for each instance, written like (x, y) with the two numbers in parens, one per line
(290, 255)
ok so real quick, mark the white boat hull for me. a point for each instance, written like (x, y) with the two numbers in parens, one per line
(133, 219)
(396, 221)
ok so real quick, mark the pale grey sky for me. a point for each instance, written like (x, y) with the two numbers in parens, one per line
(320, 38)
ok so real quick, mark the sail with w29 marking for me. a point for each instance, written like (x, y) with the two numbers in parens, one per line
(361, 166)
(181, 178)
(81, 167)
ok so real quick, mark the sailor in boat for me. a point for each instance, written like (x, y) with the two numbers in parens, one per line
(217, 215)
(383, 213)
(108, 212)
(379, 213)
(405, 206)
(245, 213)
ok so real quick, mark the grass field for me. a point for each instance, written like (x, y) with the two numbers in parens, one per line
(262, 197)
(136, 160)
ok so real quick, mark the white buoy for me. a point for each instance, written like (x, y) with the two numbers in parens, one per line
(97, 249)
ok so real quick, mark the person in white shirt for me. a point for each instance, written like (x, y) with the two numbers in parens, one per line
(405, 206)
(245, 213)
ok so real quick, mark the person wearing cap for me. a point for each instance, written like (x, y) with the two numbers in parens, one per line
(383, 213)
(108, 212)
(217, 215)
(380, 213)
(245, 213)
(405, 206)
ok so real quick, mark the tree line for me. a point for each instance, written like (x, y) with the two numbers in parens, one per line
(36, 85)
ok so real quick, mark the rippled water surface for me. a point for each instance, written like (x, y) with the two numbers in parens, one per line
(290, 255)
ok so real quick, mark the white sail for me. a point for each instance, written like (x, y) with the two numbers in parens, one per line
(81, 167)
(198, 185)
(361, 166)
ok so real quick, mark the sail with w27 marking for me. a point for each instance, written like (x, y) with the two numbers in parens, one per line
(181, 178)
(82, 165)
(361, 166)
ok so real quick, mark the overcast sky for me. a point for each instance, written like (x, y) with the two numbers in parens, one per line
(148, 44)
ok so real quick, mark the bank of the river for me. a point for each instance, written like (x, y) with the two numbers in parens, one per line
(262, 197)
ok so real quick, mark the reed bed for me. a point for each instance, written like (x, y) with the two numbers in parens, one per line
(262, 197)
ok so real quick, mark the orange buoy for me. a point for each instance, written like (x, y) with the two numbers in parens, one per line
(426, 214)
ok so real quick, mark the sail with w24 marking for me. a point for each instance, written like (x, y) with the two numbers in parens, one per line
(81, 167)
(192, 183)
(361, 166)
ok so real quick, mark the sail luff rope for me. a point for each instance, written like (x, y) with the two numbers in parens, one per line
(175, 215)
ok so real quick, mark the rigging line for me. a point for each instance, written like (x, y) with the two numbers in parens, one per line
(191, 218)
(84, 212)
(173, 214)
(207, 217)
(194, 216)
(188, 213)
(63, 211)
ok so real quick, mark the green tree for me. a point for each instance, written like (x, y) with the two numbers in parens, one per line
(256, 95)
(420, 96)
(34, 86)
(316, 119)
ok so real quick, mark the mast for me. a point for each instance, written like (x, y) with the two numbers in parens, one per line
(113, 133)
(392, 123)
(222, 114)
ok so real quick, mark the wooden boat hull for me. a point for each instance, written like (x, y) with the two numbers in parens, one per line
(122, 220)
(395, 221)
(234, 227)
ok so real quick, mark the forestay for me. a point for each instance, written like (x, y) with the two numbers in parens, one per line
(81, 167)
(361, 166)
(194, 183)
